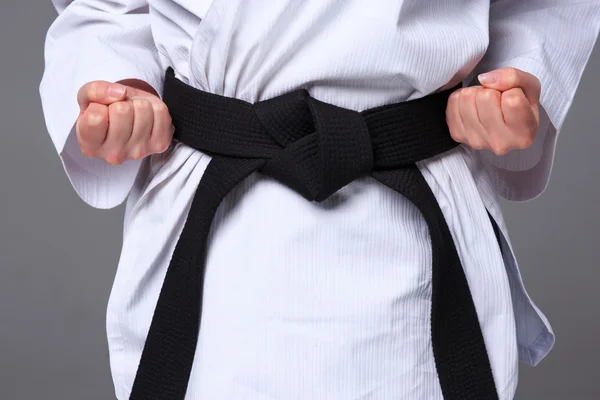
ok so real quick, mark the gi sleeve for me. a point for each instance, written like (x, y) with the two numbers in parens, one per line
(92, 40)
(553, 40)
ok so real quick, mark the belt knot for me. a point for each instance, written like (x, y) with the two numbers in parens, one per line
(323, 147)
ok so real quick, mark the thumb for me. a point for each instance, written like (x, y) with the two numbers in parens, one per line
(504, 79)
(101, 92)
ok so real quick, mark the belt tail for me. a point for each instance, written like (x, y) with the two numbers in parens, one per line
(458, 346)
(168, 354)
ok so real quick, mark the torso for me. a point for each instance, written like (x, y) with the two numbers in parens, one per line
(304, 300)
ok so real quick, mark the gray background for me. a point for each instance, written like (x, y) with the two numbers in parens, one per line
(58, 256)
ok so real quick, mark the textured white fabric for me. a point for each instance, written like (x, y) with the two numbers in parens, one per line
(304, 300)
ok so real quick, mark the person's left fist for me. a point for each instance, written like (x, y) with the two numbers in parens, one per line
(501, 115)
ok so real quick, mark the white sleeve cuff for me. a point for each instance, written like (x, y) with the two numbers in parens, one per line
(523, 175)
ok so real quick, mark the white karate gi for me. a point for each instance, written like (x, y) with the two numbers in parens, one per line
(307, 301)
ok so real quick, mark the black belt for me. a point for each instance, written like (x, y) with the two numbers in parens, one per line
(314, 148)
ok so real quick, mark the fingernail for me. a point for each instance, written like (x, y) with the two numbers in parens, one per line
(116, 91)
(487, 78)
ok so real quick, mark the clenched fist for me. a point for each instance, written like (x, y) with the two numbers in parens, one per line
(501, 115)
(122, 121)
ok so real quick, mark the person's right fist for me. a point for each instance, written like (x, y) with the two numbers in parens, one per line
(120, 122)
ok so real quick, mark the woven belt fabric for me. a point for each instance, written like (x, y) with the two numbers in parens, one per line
(315, 149)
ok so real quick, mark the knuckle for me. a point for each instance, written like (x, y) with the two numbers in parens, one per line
(141, 104)
(512, 76)
(95, 119)
(159, 107)
(453, 106)
(525, 142)
(487, 95)
(484, 94)
(114, 158)
(516, 101)
(497, 143)
(139, 152)
(468, 93)
(500, 149)
(122, 107)
(454, 96)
